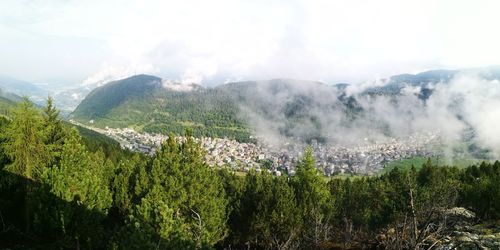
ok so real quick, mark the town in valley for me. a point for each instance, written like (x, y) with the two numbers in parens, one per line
(365, 158)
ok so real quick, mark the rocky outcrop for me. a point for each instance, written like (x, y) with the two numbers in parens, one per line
(449, 229)
(466, 232)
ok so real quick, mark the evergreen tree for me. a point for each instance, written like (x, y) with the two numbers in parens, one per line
(268, 216)
(79, 179)
(152, 223)
(54, 129)
(312, 200)
(123, 189)
(24, 145)
(284, 216)
(234, 188)
(185, 182)
(252, 223)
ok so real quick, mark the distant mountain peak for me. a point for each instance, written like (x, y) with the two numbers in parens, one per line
(141, 78)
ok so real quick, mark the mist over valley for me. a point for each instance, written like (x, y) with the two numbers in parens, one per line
(287, 125)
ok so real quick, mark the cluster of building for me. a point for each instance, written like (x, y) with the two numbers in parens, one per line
(366, 158)
(370, 158)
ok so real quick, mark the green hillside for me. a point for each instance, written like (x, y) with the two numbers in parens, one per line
(112, 95)
(5, 106)
(141, 102)
(7, 101)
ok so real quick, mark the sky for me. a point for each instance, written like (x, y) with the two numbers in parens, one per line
(212, 42)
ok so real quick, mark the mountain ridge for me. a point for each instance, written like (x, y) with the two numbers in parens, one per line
(238, 110)
(217, 110)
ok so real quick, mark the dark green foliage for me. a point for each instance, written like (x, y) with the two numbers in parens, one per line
(312, 200)
(181, 202)
(55, 131)
(59, 190)
(481, 189)
(24, 145)
(266, 215)
(77, 180)
(25, 142)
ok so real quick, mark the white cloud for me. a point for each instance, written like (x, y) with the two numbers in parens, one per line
(110, 72)
(329, 40)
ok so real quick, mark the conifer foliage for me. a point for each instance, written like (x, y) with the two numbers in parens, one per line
(59, 190)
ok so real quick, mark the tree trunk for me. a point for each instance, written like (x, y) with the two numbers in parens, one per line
(414, 216)
(27, 201)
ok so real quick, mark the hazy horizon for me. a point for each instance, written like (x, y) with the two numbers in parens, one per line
(74, 42)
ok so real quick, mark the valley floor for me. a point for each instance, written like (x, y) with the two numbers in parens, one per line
(366, 159)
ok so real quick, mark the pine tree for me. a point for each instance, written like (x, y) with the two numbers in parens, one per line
(24, 145)
(252, 223)
(152, 222)
(186, 182)
(312, 199)
(234, 188)
(79, 179)
(284, 215)
(122, 188)
(54, 129)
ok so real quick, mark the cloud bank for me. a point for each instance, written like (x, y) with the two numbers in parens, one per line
(464, 112)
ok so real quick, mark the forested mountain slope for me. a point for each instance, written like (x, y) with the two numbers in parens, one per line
(224, 111)
(55, 193)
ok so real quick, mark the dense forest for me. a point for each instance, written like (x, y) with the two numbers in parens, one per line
(143, 103)
(60, 191)
(226, 111)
